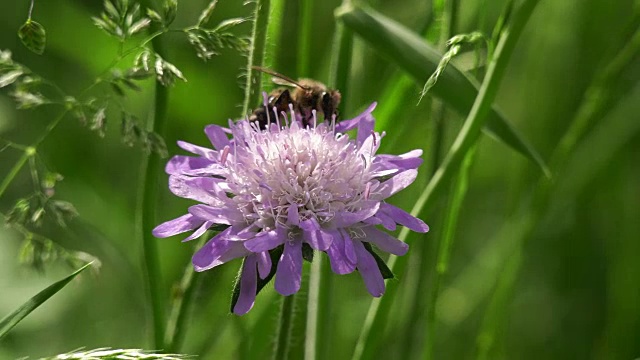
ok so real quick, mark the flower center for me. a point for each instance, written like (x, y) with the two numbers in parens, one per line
(314, 169)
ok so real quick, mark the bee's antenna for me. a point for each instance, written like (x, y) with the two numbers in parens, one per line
(280, 76)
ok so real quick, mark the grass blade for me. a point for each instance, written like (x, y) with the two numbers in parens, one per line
(14, 318)
(420, 60)
(466, 138)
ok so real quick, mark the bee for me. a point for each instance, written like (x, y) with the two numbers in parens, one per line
(307, 95)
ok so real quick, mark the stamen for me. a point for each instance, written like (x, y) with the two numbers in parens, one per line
(225, 153)
(367, 191)
(265, 101)
(315, 118)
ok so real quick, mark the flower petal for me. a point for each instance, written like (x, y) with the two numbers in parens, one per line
(217, 136)
(346, 219)
(384, 241)
(198, 150)
(205, 258)
(224, 216)
(293, 218)
(349, 249)
(266, 240)
(369, 270)
(397, 183)
(365, 128)
(201, 230)
(180, 163)
(264, 264)
(314, 235)
(340, 263)
(346, 125)
(403, 218)
(289, 273)
(176, 226)
(194, 188)
(248, 286)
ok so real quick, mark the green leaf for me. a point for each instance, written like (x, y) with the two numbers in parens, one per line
(14, 318)
(420, 60)
(33, 36)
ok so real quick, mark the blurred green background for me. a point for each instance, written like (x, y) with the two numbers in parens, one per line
(577, 295)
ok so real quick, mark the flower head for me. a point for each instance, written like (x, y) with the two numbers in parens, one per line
(287, 190)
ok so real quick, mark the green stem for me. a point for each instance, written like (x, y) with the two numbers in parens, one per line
(304, 47)
(444, 251)
(256, 52)
(423, 249)
(181, 304)
(281, 350)
(467, 136)
(29, 152)
(31, 9)
(319, 307)
(313, 310)
(342, 52)
(15, 170)
(150, 170)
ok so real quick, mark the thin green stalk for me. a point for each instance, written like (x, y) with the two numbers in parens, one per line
(150, 170)
(466, 138)
(320, 285)
(16, 169)
(283, 341)
(256, 53)
(29, 152)
(449, 15)
(305, 25)
(313, 309)
(444, 250)
(176, 328)
(598, 97)
(273, 53)
(342, 52)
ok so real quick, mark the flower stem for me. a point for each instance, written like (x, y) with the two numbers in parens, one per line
(150, 168)
(283, 342)
(305, 24)
(181, 304)
(256, 52)
(14, 171)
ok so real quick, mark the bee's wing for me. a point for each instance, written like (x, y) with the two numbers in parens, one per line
(282, 82)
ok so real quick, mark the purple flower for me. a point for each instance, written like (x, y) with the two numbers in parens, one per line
(285, 190)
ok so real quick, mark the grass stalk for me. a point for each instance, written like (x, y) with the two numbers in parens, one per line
(283, 339)
(444, 251)
(150, 168)
(305, 24)
(598, 97)
(466, 138)
(256, 53)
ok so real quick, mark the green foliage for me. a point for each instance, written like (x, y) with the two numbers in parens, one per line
(33, 36)
(11, 320)
(420, 60)
(121, 19)
(116, 354)
(504, 272)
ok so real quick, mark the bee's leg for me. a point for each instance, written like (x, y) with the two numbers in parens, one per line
(283, 100)
(328, 107)
(260, 115)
